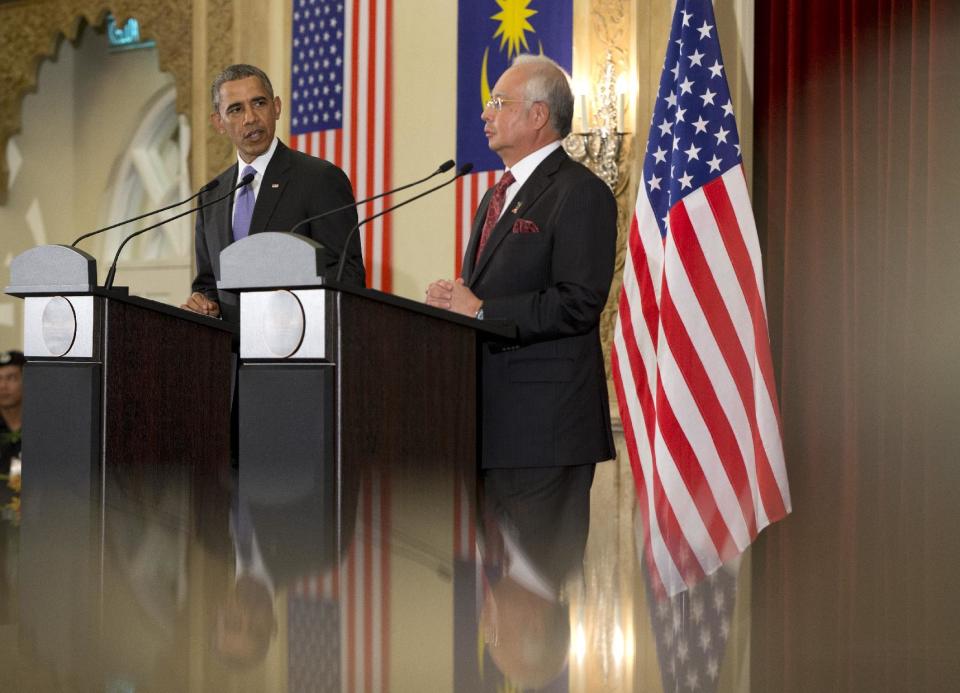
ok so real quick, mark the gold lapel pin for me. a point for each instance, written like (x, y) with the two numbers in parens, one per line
(516, 208)
(275, 185)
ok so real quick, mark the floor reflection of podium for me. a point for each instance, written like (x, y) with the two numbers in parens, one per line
(126, 422)
(368, 403)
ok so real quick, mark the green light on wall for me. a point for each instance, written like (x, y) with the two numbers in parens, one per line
(127, 37)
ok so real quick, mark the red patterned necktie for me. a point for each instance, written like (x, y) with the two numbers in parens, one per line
(493, 211)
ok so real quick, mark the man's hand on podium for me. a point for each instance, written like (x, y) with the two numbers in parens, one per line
(453, 295)
(198, 303)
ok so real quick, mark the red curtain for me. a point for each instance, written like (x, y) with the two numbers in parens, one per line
(857, 194)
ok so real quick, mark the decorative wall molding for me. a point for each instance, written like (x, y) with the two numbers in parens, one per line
(220, 32)
(611, 33)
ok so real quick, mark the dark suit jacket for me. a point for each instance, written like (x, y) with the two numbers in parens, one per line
(295, 186)
(545, 398)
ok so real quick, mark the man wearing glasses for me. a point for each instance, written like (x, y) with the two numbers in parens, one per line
(288, 186)
(541, 256)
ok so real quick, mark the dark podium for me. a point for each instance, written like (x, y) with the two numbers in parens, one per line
(339, 386)
(126, 428)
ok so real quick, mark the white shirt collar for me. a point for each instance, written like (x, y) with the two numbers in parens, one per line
(528, 164)
(523, 169)
(259, 164)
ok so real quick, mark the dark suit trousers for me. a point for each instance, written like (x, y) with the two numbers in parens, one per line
(547, 509)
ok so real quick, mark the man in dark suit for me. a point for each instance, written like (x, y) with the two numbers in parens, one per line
(288, 186)
(541, 256)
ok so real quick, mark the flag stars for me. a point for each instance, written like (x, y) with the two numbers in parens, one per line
(686, 181)
(671, 100)
(686, 86)
(696, 609)
(708, 97)
(654, 183)
(693, 680)
(665, 127)
(693, 153)
(700, 125)
(706, 640)
(721, 135)
(681, 112)
(676, 71)
(660, 155)
(728, 108)
(686, 17)
(716, 69)
(705, 30)
(696, 57)
(719, 601)
(714, 164)
(713, 668)
(683, 650)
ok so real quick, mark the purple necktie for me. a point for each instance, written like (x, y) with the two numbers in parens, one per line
(243, 207)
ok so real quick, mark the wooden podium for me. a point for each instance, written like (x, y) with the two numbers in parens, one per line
(339, 383)
(126, 415)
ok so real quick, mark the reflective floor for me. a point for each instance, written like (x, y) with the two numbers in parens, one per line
(399, 580)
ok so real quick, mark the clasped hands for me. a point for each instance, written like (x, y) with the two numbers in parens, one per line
(198, 303)
(454, 296)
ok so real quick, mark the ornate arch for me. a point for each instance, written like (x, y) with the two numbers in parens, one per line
(31, 31)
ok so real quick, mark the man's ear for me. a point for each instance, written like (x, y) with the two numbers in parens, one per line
(277, 105)
(216, 122)
(542, 113)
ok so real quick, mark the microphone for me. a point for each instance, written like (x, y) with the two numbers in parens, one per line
(108, 284)
(462, 171)
(442, 168)
(206, 188)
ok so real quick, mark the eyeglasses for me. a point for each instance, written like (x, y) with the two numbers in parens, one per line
(496, 102)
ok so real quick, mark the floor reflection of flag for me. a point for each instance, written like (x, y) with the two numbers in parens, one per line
(692, 629)
(313, 637)
(338, 622)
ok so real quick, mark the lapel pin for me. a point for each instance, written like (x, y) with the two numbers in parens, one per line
(275, 185)
(516, 208)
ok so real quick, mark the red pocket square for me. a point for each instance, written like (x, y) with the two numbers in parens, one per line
(525, 226)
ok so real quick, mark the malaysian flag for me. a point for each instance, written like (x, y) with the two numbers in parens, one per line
(342, 82)
(338, 622)
(691, 356)
(490, 34)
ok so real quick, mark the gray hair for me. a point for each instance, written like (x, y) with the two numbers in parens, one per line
(548, 82)
(235, 72)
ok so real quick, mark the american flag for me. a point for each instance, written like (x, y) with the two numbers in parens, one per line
(342, 84)
(691, 355)
(338, 622)
(692, 630)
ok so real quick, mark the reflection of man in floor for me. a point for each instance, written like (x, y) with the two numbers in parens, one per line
(282, 532)
(525, 624)
(533, 542)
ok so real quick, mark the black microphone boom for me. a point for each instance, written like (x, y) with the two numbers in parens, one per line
(108, 284)
(442, 168)
(206, 188)
(462, 171)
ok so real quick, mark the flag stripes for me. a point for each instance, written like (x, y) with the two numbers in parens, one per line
(470, 190)
(691, 356)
